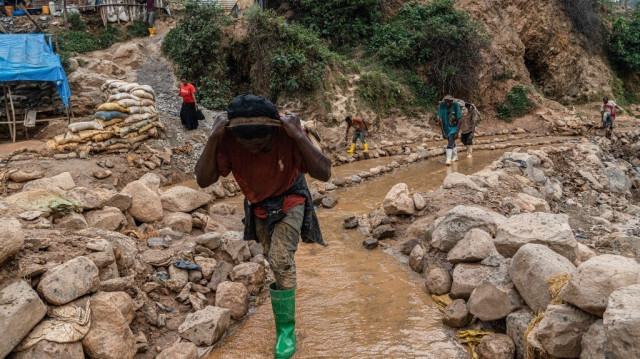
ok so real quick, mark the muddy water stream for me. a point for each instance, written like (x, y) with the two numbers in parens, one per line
(356, 303)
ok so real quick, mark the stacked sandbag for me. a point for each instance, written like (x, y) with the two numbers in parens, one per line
(128, 117)
(27, 95)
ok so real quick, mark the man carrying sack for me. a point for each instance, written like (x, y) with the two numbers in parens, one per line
(268, 156)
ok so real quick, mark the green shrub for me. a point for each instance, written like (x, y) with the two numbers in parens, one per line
(77, 41)
(138, 29)
(624, 42)
(343, 22)
(109, 36)
(504, 75)
(75, 22)
(517, 104)
(437, 40)
(196, 46)
(425, 95)
(381, 92)
(285, 58)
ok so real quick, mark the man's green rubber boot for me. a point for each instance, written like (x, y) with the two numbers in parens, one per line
(283, 303)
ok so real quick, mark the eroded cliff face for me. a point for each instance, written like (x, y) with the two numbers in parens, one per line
(535, 41)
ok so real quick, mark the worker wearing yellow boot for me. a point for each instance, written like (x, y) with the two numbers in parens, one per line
(149, 15)
(360, 133)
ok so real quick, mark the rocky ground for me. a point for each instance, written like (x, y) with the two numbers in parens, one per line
(537, 253)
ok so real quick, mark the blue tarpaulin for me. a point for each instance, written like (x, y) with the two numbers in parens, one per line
(28, 57)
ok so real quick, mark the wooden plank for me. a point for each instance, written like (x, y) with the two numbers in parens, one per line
(21, 7)
(64, 13)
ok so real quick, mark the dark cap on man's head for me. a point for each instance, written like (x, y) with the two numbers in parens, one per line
(252, 106)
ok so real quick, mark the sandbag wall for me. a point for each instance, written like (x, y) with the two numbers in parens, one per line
(127, 118)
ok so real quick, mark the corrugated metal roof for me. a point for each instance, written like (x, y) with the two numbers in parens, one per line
(227, 5)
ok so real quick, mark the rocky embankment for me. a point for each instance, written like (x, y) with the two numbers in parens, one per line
(115, 274)
(537, 253)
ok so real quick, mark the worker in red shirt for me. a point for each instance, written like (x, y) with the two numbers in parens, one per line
(360, 133)
(268, 156)
(189, 109)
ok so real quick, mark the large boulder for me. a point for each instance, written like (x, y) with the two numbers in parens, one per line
(622, 322)
(211, 240)
(594, 342)
(474, 247)
(449, 230)
(108, 218)
(416, 258)
(530, 267)
(398, 200)
(496, 346)
(72, 221)
(178, 221)
(205, 326)
(618, 180)
(252, 275)
(62, 181)
(11, 238)
(179, 350)
(183, 199)
(466, 277)
(120, 300)
(236, 249)
(560, 331)
(146, 205)
(207, 266)
(517, 325)
(69, 281)
(20, 310)
(491, 301)
(549, 229)
(594, 280)
(233, 296)
(438, 280)
(456, 314)
(109, 336)
(459, 180)
(45, 349)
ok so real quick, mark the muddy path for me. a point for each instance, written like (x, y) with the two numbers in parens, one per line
(356, 303)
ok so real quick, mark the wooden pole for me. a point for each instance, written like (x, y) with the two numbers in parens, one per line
(64, 13)
(30, 18)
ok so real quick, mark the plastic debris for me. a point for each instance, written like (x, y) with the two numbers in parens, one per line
(180, 263)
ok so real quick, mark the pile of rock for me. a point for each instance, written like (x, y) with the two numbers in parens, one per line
(520, 266)
(82, 287)
(126, 119)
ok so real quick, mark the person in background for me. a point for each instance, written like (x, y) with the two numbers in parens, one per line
(188, 111)
(268, 156)
(360, 133)
(449, 113)
(608, 113)
(149, 15)
(468, 126)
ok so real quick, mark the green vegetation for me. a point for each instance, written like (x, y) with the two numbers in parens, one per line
(138, 29)
(75, 22)
(504, 75)
(276, 59)
(344, 22)
(517, 104)
(436, 41)
(381, 92)
(624, 42)
(196, 46)
(80, 38)
(286, 58)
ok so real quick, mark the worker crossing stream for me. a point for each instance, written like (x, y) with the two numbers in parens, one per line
(353, 302)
